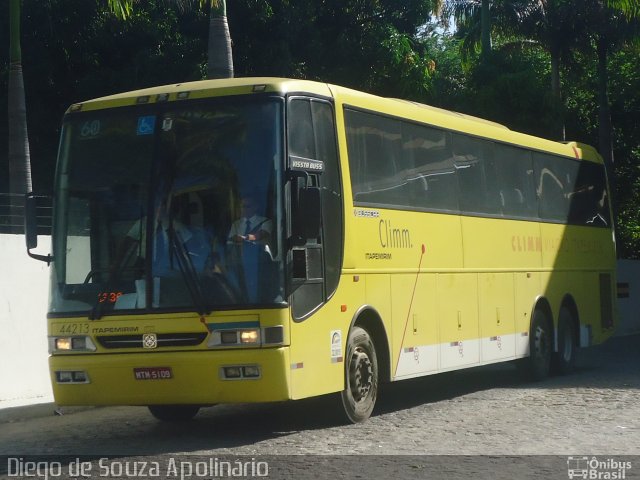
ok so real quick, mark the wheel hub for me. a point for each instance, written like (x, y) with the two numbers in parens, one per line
(360, 375)
(541, 341)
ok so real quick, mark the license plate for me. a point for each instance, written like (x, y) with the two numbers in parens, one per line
(152, 373)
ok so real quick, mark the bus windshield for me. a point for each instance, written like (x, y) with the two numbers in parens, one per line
(171, 207)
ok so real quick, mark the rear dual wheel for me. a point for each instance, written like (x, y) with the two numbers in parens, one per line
(563, 361)
(540, 346)
(542, 359)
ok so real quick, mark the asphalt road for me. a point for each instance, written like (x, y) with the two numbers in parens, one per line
(490, 414)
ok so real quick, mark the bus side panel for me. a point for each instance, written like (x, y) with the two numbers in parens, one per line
(317, 363)
(576, 248)
(378, 293)
(501, 244)
(527, 290)
(583, 291)
(581, 264)
(413, 299)
(497, 316)
(457, 314)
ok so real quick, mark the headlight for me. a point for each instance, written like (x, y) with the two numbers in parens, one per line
(247, 337)
(71, 344)
(250, 336)
(62, 343)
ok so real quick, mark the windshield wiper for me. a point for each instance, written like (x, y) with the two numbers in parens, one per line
(128, 250)
(188, 271)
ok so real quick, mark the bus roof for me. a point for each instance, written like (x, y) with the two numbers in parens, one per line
(410, 110)
(205, 89)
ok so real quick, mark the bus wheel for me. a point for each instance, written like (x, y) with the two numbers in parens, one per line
(361, 364)
(540, 346)
(564, 359)
(174, 413)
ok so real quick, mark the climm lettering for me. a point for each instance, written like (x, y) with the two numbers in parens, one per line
(526, 244)
(391, 237)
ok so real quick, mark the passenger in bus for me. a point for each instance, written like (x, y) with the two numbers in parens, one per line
(192, 240)
(169, 227)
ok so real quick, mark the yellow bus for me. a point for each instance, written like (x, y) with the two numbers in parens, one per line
(263, 239)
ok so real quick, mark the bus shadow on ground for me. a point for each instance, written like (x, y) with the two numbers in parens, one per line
(230, 426)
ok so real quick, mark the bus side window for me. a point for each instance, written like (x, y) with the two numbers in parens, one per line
(514, 175)
(589, 204)
(432, 176)
(374, 158)
(553, 186)
(471, 159)
(301, 138)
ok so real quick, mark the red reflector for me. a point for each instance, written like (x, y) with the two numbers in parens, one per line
(343, 308)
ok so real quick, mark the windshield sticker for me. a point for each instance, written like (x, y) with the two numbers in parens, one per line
(167, 124)
(90, 128)
(146, 125)
(307, 164)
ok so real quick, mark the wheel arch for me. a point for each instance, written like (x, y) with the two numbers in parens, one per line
(543, 304)
(570, 304)
(368, 318)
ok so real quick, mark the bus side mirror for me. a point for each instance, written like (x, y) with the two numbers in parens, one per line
(30, 221)
(31, 227)
(309, 212)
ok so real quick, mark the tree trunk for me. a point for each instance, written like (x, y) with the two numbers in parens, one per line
(605, 128)
(604, 113)
(485, 29)
(19, 160)
(556, 93)
(220, 58)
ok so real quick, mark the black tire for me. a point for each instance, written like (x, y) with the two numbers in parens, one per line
(174, 413)
(540, 346)
(361, 376)
(563, 360)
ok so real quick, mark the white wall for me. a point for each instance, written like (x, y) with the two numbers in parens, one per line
(629, 308)
(24, 291)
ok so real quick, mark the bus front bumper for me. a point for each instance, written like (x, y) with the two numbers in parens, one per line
(193, 377)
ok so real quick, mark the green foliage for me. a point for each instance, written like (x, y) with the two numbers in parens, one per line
(349, 42)
(511, 87)
(74, 50)
(625, 103)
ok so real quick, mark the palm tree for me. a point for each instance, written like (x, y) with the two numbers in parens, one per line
(476, 13)
(220, 57)
(553, 25)
(631, 8)
(557, 26)
(19, 159)
(485, 29)
(612, 22)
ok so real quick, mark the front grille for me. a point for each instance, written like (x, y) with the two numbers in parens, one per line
(164, 340)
